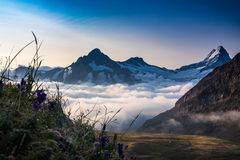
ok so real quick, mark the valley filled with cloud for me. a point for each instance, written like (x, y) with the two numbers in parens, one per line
(145, 98)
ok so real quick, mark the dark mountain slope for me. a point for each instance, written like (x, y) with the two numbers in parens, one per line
(98, 68)
(218, 91)
(211, 107)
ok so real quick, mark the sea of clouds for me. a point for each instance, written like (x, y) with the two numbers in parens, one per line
(145, 98)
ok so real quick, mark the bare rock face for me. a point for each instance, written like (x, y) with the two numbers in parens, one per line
(212, 107)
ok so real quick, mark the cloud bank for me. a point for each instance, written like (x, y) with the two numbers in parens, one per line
(218, 117)
(148, 99)
(217, 123)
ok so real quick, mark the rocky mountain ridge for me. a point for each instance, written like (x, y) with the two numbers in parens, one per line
(98, 68)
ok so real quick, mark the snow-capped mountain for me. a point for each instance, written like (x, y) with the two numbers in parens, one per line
(145, 72)
(98, 68)
(215, 58)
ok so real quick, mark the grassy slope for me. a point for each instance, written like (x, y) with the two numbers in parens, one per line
(180, 147)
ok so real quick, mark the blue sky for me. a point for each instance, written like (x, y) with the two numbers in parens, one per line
(167, 33)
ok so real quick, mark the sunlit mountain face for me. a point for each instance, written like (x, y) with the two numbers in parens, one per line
(137, 55)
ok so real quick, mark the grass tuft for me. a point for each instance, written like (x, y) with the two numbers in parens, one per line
(33, 124)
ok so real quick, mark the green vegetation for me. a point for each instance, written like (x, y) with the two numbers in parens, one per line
(34, 126)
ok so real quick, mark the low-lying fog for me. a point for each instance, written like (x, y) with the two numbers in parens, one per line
(149, 99)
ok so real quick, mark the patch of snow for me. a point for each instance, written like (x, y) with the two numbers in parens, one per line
(185, 74)
(199, 68)
(211, 55)
(96, 67)
(45, 68)
(213, 60)
(144, 69)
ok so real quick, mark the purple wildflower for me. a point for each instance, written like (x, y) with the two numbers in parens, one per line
(41, 97)
(37, 105)
(103, 140)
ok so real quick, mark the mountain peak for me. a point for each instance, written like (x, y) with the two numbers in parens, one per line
(95, 51)
(97, 55)
(136, 61)
(221, 48)
(220, 52)
(223, 55)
